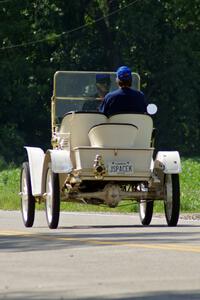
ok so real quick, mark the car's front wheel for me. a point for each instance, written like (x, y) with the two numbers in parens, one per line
(52, 198)
(27, 199)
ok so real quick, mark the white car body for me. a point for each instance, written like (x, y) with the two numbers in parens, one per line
(113, 155)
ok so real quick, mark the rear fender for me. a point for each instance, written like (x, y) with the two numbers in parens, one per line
(168, 161)
(60, 163)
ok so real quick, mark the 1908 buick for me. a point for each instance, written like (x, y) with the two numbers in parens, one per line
(98, 160)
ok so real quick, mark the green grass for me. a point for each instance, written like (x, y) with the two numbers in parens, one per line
(9, 189)
(189, 183)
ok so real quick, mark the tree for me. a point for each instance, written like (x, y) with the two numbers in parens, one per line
(158, 39)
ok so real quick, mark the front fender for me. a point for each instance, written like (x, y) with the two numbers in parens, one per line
(35, 159)
(168, 161)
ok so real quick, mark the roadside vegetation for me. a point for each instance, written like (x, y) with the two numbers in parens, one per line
(161, 41)
(189, 182)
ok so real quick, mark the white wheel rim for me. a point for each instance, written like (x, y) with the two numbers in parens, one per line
(24, 195)
(168, 195)
(143, 208)
(49, 196)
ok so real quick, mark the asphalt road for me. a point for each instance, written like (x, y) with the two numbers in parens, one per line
(99, 256)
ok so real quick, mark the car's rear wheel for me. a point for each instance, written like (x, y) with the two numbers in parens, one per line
(52, 198)
(172, 198)
(27, 199)
(146, 211)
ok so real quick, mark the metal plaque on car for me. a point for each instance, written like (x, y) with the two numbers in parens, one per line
(120, 168)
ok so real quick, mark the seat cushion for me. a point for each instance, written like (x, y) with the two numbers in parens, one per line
(113, 135)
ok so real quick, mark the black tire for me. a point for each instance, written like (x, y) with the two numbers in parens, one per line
(52, 202)
(27, 199)
(172, 198)
(146, 212)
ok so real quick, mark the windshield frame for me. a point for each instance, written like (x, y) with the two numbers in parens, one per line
(60, 94)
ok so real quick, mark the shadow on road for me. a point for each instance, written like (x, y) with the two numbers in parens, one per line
(165, 295)
(127, 226)
(91, 236)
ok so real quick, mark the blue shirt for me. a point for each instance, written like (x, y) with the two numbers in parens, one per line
(123, 100)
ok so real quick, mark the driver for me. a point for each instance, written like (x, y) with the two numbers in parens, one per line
(103, 83)
(124, 99)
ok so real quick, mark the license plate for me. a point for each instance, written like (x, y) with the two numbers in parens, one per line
(120, 168)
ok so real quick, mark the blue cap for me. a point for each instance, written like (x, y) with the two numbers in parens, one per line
(124, 73)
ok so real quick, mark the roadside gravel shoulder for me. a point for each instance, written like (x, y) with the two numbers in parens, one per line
(190, 216)
(183, 216)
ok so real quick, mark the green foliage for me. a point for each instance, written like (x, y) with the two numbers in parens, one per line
(3, 164)
(158, 39)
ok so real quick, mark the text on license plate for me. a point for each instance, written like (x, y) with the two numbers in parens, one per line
(117, 168)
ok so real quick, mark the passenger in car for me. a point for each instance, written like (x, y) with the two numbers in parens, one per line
(124, 99)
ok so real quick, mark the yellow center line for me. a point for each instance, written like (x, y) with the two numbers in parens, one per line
(164, 246)
(178, 247)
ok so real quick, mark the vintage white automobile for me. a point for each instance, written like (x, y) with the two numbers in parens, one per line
(97, 159)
